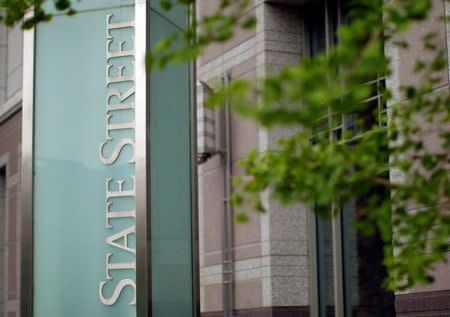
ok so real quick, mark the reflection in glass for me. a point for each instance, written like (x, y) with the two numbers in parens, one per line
(315, 22)
(363, 269)
(325, 266)
(2, 237)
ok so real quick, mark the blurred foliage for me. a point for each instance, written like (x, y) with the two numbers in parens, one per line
(318, 170)
(14, 11)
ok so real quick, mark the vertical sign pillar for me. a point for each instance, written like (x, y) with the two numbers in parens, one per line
(172, 161)
(108, 166)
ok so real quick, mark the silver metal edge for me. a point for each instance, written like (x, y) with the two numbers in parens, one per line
(336, 219)
(337, 266)
(194, 194)
(194, 182)
(312, 226)
(313, 268)
(26, 293)
(142, 139)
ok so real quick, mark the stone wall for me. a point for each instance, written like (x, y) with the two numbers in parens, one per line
(10, 158)
(270, 252)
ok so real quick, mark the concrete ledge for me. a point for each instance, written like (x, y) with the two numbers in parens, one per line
(280, 311)
(11, 105)
(423, 304)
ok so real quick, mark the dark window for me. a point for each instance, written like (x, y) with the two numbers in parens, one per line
(361, 272)
(2, 237)
(315, 28)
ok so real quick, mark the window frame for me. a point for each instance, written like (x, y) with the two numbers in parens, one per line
(336, 126)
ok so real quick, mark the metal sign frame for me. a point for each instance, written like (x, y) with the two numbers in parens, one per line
(142, 165)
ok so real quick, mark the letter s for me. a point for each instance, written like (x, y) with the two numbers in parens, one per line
(116, 152)
(117, 291)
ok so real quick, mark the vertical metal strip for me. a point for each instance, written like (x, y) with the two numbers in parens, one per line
(313, 263)
(194, 179)
(194, 197)
(142, 138)
(327, 29)
(26, 294)
(227, 227)
(338, 243)
(229, 209)
(225, 246)
(337, 266)
(335, 221)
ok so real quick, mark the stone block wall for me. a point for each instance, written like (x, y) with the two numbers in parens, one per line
(10, 162)
(431, 300)
(270, 252)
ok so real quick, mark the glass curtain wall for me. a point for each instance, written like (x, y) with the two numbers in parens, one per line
(349, 265)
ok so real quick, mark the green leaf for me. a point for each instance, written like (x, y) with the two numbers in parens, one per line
(241, 218)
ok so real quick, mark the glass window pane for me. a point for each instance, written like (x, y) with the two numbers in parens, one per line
(170, 178)
(363, 269)
(2, 238)
(325, 266)
(315, 21)
(77, 198)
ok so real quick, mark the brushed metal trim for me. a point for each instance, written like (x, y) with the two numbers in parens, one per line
(337, 266)
(228, 221)
(194, 181)
(194, 194)
(142, 139)
(26, 293)
(313, 263)
(338, 257)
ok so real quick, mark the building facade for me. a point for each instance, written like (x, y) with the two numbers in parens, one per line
(10, 162)
(283, 263)
(288, 262)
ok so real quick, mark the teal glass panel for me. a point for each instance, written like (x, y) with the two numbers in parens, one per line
(177, 14)
(70, 202)
(171, 258)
